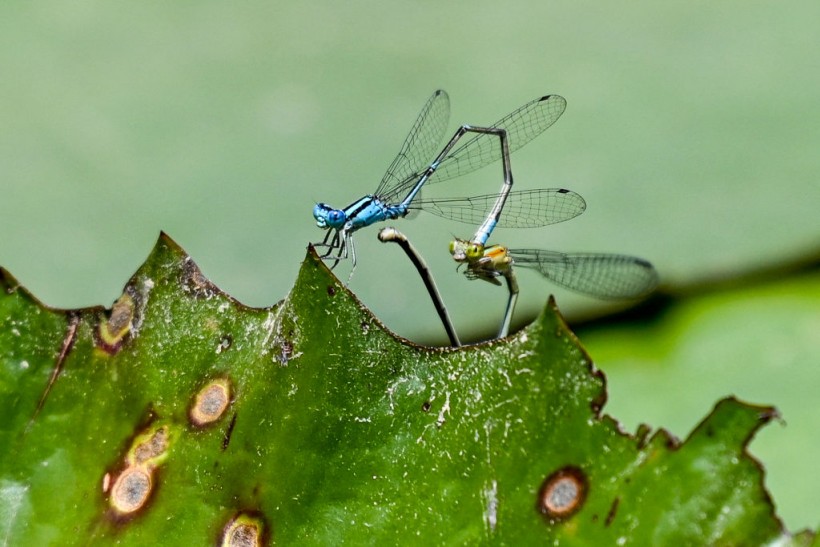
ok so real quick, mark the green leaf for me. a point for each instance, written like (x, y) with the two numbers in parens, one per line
(755, 338)
(181, 416)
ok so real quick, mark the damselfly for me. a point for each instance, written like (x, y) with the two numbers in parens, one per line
(603, 275)
(398, 193)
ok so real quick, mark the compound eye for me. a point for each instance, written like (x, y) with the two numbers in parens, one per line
(335, 218)
(452, 247)
(475, 250)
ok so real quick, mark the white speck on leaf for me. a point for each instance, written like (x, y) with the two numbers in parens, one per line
(445, 408)
(490, 494)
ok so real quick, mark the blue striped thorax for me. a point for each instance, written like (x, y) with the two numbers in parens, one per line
(362, 212)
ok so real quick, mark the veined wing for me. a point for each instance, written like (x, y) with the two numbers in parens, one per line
(522, 126)
(523, 209)
(420, 146)
(607, 276)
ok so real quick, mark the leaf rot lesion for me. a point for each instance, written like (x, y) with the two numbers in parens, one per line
(563, 493)
(210, 402)
(112, 333)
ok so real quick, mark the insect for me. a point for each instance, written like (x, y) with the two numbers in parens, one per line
(603, 275)
(398, 193)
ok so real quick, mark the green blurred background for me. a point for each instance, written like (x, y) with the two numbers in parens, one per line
(692, 131)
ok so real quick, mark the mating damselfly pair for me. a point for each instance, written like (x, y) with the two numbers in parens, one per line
(398, 196)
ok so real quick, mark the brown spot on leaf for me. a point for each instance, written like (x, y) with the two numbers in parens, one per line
(225, 343)
(131, 490)
(210, 403)
(613, 510)
(244, 530)
(642, 435)
(112, 332)
(130, 486)
(331, 290)
(194, 281)
(672, 443)
(121, 313)
(563, 493)
(598, 403)
(149, 449)
(285, 353)
(226, 439)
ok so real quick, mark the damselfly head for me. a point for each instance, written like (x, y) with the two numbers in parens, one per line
(466, 251)
(328, 217)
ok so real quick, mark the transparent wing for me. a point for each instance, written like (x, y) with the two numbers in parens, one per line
(420, 146)
(523, 209)
(607, 276)
(522, 126)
